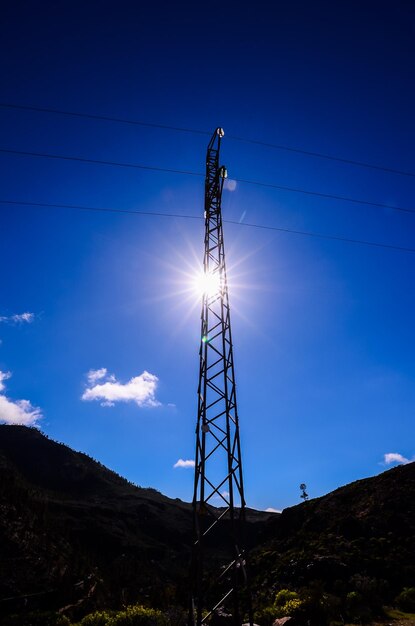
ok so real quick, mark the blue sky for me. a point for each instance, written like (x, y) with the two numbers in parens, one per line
(323, 330)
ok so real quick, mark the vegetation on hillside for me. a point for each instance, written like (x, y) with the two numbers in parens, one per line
(80, 545)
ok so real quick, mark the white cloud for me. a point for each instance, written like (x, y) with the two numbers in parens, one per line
(395, 457)
(221, 497)
(94, 375)
(3, 376)
(183, 463)
(139, 389)
(18, 318)
(271, 510)
(23, 317)
(16, 411)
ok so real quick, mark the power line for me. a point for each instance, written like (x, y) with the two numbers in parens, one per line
(199, 174)
(325, 195)
(104, 118)
(81, 207)
(120, 120)
(321, 155)
(62, 157)
(306, 233)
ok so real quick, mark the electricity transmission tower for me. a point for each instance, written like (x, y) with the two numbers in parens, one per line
(218, 500)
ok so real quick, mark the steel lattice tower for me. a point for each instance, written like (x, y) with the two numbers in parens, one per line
(218, 533)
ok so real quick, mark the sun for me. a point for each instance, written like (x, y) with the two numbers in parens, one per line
(207, 283)
(184, 286)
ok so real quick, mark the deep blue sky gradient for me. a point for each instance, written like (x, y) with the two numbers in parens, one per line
(324, 331)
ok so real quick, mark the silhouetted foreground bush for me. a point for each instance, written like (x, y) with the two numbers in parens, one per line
(406, 600)
(37, 618)
(131, 616)
(309, 606)
(136, 615)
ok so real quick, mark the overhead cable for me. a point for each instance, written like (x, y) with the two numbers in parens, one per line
(199, 174)
(276, 146)
(104, 118)
(62, 157)
(306, 233)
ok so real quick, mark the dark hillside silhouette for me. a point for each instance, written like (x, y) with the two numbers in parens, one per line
(73, 533)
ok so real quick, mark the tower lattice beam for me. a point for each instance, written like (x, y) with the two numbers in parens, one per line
(218, 570)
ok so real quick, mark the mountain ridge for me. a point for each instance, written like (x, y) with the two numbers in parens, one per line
(74, 533)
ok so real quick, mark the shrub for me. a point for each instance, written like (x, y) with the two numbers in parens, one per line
(266, 616)
(284, 596)
(138, 616)
(357, 607)
(176, 616)
(406, 600)
(98, 618)
(287, 603)
(37, 618)
(291, 608)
